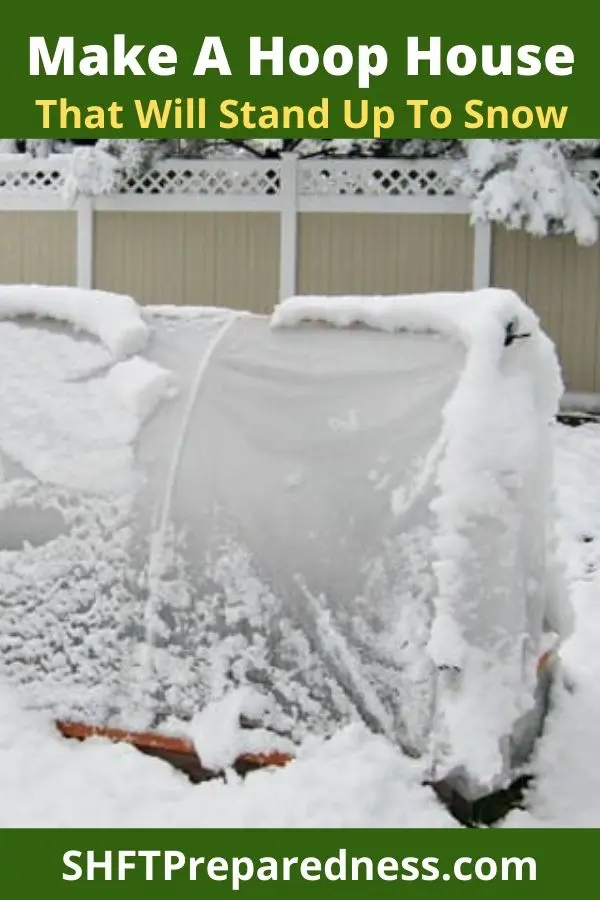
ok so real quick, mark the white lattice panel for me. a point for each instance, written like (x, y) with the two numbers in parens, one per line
(201, 179)
(31, 181)
(393, 178)
(31, 178)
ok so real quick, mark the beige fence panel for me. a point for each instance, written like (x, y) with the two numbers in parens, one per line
(561, 281)
(200, 259)
(354, 253)
(38, 247)
(232, 259)
(140, 254)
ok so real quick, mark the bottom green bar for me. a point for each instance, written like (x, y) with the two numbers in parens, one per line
(318, 863)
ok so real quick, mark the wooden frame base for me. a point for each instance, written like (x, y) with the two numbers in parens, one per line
(178, 752)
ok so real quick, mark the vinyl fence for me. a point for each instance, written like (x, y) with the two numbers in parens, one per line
(245, 233)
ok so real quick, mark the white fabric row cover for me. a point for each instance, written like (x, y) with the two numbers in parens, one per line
(353, 520)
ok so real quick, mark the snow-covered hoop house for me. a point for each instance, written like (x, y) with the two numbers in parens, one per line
(340, 513)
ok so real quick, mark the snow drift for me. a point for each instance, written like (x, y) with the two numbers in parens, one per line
(345, 509)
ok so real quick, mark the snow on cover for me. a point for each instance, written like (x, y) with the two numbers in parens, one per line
(114, 319)
(72, 403)
(495, 467)
(89, 483)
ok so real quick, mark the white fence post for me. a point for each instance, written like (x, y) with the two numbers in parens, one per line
(288, 225)
(482, 255)
(85, 242)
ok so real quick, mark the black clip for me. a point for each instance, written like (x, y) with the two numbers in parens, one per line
(511, 334)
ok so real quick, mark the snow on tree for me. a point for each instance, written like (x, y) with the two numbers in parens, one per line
(102, 167)
(8, 145)
(418, 149)
(136, 156)
(529, 185)
(39, 148)
(90, 171)
(273, 148)
(579, 149)
(308, 148)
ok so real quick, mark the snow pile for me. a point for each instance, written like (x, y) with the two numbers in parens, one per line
(529, 185)
(115, 319)
(493, 476)
(567, 788)
(139, 386)
(219, 736)
(354, 780)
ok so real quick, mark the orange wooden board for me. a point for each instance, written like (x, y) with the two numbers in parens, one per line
(149, 742)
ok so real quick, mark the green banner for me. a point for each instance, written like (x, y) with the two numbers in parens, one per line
(273, 70)
(260, 863)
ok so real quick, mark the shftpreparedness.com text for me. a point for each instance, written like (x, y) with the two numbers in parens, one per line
(171, 865)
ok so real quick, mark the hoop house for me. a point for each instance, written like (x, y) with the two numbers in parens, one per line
(340, 513)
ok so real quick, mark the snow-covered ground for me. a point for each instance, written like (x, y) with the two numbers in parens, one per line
(353, 780)
(568, 784)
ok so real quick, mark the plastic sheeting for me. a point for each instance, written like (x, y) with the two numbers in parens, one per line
(276, 529)
(298, 505)
(281, 536)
